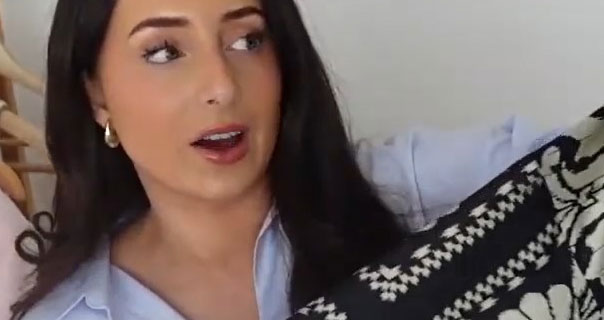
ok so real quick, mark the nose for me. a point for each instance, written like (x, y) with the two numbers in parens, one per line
(218, 86)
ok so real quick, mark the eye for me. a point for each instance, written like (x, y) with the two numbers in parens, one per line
(249, 42)
(162, 54)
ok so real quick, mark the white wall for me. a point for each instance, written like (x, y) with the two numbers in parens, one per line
(399, 63)
(455, 62)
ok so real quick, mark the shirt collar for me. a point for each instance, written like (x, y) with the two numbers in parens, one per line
(268, 220)
(96, 281)
(90, 283)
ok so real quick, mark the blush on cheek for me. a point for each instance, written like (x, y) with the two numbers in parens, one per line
(145, 116)
(263, 89)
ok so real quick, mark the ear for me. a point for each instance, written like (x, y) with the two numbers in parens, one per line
(96, 96)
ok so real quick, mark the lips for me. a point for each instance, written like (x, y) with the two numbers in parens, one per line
(220, 141)
(223, 145)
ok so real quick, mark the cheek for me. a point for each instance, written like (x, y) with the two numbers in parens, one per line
(134, 86)
(261, 90)
(144, 110)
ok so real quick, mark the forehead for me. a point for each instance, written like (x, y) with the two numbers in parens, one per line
(129, 12)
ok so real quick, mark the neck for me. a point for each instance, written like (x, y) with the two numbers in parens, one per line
(212, 232)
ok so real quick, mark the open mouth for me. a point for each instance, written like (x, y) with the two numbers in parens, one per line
(225, 145)
(220, 141)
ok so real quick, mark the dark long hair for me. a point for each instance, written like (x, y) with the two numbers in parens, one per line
(330, 213)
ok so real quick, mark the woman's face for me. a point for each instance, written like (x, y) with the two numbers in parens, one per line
(192, 88)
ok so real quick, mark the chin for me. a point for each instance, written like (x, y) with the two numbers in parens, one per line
(221, 194)
(228, 189)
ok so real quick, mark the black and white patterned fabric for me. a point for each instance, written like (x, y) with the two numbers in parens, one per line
(529, 245)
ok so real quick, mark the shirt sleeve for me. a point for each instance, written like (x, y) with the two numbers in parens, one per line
(424, 173)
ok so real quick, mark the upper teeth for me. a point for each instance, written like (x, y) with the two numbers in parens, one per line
(220, 136)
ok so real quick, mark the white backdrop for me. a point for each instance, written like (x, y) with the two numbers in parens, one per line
(400, 63)
(455, 62)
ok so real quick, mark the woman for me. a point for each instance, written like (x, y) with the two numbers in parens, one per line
(178, 130)
(203, 168)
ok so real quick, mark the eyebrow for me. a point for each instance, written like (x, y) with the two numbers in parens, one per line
(174, 22)
(242, 13)
(160, 22)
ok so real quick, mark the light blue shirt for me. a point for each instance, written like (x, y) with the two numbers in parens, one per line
(421, 174)
(102, 291)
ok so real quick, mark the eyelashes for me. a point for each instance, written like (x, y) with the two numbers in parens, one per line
(250, 42)
(162, 53)
(168, 51)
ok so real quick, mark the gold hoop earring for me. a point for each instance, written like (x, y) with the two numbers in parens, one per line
(111, 138)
